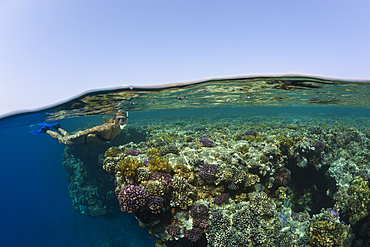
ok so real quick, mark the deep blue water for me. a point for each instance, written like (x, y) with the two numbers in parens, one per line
(35, 206)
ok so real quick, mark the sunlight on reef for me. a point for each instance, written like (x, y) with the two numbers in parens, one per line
(233, 180)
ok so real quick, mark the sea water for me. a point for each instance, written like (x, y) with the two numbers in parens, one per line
(52, 195)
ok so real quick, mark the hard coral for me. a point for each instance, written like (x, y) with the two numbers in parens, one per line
(155, 203)
(165, 178)
(111, 152)
(142, 174)
(194, 234)
(282, 176)
(222, 198)
(319, 146)
(132, 152)
(129, 165)
(132, 198)
(208, 172)
(184, 194)
(159, 165)
(153, 152)
(153, 187)
(205, 142)
(200, 216)
(173, 230)
(322, 233)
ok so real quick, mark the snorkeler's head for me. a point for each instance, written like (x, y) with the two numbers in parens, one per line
(121, 118)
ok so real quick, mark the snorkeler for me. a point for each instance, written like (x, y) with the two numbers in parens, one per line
(95, 135)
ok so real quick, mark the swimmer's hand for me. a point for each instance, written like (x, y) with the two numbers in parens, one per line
(45, 127)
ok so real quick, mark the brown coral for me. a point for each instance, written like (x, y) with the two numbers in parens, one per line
(184, 194)
(153, 187)
(159, 165)
(322, 233)
(129, 165)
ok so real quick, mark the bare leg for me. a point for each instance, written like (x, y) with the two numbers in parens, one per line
(64, 133)
(53, 134)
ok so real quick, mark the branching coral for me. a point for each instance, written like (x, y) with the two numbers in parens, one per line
(155, 204)
(194, 234)
(142, 174)
(200, 216)
(129, 165)
(153, 152)
(208, 172)
(222, 198)
(184, 194)
(358, 203)
(159, 165)
(282, 176)
(173, 230)
(153, 187)
(132, 198)
(111, 152)
(165, 178)
(252, 223)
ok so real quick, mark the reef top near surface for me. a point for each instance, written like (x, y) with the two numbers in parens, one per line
(242, 91)
(233, 180)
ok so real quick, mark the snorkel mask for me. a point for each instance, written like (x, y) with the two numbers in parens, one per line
(122, 120)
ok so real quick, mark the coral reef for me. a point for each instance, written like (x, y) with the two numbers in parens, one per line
(132, 152)
(173, 230)
(158, 164)
(132, 198)
(111, 152)
(129, 166)
(152, 152)
(208, 172)
(205, 142)
(222, 198)
(184, 194)
(282, 176)
(211, 182)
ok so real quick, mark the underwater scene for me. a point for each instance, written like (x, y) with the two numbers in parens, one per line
(244, 161)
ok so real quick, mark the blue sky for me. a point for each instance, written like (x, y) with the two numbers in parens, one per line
(51, 51)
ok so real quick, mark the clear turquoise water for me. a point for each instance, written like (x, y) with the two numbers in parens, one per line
(35, 204)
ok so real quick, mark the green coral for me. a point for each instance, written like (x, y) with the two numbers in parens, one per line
(111, 152)
(243, 149)
(184, 194)
(153, 152)
(322, 233)
(129, 165)
(252, 138)
(358, 201)
(158, 164)
(285, 144)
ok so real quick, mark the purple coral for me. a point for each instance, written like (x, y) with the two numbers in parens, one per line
(146, 162)
(208, 172)
(205, 142)
(249, 133)
(165, 178)
(194, 234)
(200, 216)
(133, 152)
(173, 230)
(155, 203)
(222, 198)
(333, 212)
(132, 198)
(319, 146)
(282, 176)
